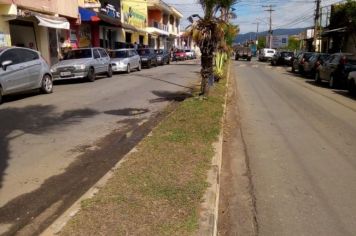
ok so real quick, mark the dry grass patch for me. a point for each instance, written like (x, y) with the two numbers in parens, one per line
(158, 190)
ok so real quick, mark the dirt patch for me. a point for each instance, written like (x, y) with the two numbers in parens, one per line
(236, 206)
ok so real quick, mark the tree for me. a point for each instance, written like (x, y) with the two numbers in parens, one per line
(209, 34)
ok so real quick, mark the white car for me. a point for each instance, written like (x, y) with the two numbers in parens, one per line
(266, 54)
(125, 60)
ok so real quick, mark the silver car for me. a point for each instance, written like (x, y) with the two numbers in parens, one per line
(125, 60)
(23, 69)
(83, 63)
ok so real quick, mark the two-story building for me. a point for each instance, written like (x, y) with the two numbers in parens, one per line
(163, 24)
(43, 25)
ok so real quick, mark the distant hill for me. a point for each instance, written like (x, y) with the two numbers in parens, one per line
(241, 38)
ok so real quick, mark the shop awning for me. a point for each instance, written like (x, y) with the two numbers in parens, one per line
(88, 15)
(52, 21)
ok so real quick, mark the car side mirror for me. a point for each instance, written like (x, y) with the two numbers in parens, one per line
(5, 64)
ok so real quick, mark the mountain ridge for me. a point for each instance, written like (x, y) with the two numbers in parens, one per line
(241, 38)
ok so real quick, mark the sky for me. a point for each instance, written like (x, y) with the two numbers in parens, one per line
(287, 14)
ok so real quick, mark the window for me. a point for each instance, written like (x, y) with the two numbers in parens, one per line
(102, 53)
(11, 55)
(28, 55)
(335, 60)
(78, 54)
(96, 54)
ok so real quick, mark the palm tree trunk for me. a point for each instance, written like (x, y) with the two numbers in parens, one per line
(206, 72)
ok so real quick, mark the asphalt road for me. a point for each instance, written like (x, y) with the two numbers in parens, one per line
(300, 142)
(54, 147)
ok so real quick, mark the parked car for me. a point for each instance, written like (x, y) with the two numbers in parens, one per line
(351, 82)
(124, 60)
(163, 56)
(310, 66)
(179, 55)
(148, 57)
(299, 60)
(83, 63)
(23, 69)
(336, 69)
(282, 58)
(190, 54)
(266, 54)
(243, 53)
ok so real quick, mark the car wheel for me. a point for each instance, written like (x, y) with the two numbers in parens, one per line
(91, 75)
(317, 78)
(109, 73)
(128, 69)
(1, 95)
(139, 66)
(332, 82)
(149, 65)
(168, 62)
(47, 84)
(351, 87)
(293, 70)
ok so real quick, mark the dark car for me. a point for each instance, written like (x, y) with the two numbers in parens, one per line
(243, 53)
(299, 60)
(163, 56)
(336, 69)
(310, 66)
(179, 55)
(282, 58)
(148, 57)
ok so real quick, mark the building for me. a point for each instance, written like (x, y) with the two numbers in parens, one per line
(43, 25)
(163, 25)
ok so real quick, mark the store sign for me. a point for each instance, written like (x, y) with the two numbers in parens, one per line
(111, 8)
(278, 41)
(92, 4)
(135, 15)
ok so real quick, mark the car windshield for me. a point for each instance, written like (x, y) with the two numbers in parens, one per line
(159, 51)
(118, 54)
(144, 52)
(308, 55)
(78, 54)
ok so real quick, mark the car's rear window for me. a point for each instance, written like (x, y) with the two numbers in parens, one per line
(118, 54)
(78, 54)
(287, 54)
(270, 51)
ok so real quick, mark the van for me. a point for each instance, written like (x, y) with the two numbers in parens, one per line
(266, 54)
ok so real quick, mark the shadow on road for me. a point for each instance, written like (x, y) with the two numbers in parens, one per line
(76, 81)
(36, 120)
(162, 80)
(345, 93)
(164, 96)
(127, 112)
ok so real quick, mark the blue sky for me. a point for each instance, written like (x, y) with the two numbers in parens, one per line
(287, 14)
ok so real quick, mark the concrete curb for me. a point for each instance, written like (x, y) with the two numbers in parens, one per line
(208, 221)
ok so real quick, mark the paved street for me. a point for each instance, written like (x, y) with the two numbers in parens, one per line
(300, 145)
(54, 147)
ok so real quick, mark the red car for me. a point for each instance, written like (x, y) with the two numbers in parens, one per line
(179, 55)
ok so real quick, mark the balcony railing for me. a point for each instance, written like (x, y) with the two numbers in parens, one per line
(158, 25)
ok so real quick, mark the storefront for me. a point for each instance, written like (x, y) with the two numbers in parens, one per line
(40, 32)
(134, 20)
(7, 13)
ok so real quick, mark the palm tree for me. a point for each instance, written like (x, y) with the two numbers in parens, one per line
(208, 32)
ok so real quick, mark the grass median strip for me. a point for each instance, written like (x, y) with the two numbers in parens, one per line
(159, 188)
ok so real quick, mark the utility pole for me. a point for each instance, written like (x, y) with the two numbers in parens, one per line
(256, 23)
(270, 10)
(316, 26)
